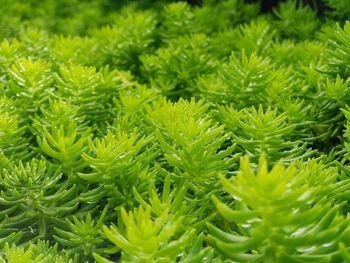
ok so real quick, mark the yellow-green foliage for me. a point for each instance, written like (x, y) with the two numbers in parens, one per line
(172, 131)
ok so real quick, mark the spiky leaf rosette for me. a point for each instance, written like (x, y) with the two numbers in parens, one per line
(82, 236)
(179, 20)
(36, 196)
(192, 142)
(73, 50)
(31, 83)
(39, 252)
(295, 19)
(282, 215)
(13, 141)
(65, 145)
(10, 51)
(255, 37)
(338, 90)
(58, 113)
(119, 162)
(121, 47)
(243, 80)
(144, 237)
(175, 199)
(175, 68)
(337, 54)
(130, 108)
(79, 84)
(257, 131)
(339, 8)
(215, 16)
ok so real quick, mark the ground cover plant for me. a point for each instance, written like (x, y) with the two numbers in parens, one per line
(167, 131)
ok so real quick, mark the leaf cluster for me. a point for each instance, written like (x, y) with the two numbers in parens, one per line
(164, 131)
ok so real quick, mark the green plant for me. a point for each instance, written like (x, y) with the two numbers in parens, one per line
(73, 50)
(192, 143)
(118, 163)
(338, 8)
(59, 113)
(295, 19)
(13, 141)
(255, 37)
(41, 251)
(246, 79)
(35, 197)
(65, 146)
(337, 52)
(122, 47)
(147, 238)
(179, 20)
(263, 230)
(83, 236)
(31, 82)
(122, 124)
(175, 68)
(257, 131)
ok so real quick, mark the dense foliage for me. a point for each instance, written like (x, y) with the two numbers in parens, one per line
(159, 131)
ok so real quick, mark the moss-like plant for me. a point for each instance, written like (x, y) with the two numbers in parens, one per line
(40, 251)
(175, 68)
(295, 19)
(35, 196)
(118, 163)
(279, 216)
(257, 131)
(246, 78)
(337, 55)
(149, 239)
(122, 124)
(193, 144)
